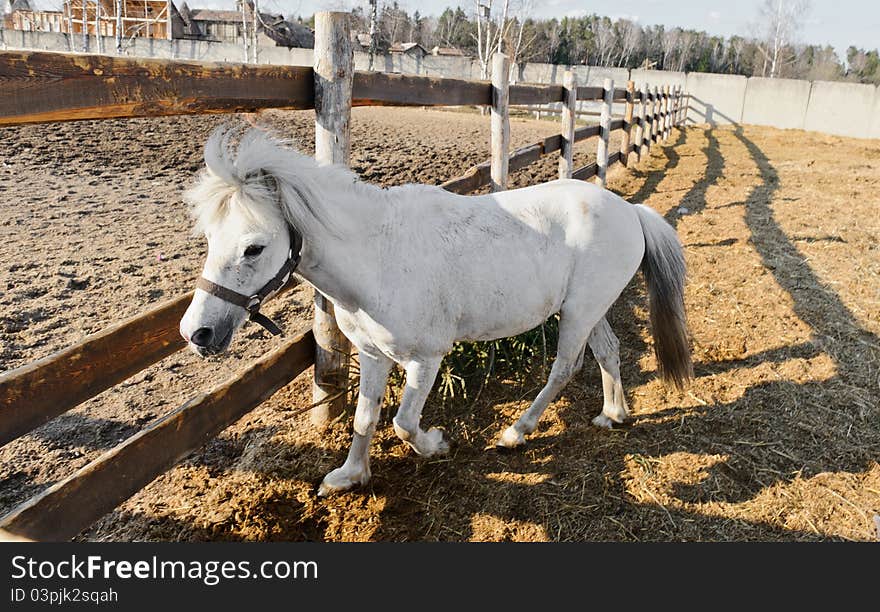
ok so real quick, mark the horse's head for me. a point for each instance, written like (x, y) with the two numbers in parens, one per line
(236, 206)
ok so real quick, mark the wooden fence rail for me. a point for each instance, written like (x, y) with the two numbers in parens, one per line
(66, 508)
(42, 390)
(40, 87)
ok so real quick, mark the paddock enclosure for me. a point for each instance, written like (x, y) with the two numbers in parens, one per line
(777, 438)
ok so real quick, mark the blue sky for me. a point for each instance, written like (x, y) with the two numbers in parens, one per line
(836, 22)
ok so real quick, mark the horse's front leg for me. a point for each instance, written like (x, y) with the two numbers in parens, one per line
(356, 469)
(420, 377)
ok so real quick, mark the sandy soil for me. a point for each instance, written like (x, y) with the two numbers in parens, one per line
(777, 438)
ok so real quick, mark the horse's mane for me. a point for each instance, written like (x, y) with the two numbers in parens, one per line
(238, 177)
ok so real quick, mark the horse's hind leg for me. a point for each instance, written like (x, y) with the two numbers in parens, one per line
(573, 331)
(606, 349)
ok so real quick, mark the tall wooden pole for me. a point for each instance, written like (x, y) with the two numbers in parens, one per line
(118, 27)
(665, 123)
(604, 132)
(98, 43)
(500, 121)
(627, 123)
(569, 109)
(256, 20)
(244, 30)
(334, 75)
(85, 26)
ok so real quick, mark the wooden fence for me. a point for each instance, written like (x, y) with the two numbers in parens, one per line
(40, 87)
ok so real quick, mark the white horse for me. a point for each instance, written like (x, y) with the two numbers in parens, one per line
(413, 269)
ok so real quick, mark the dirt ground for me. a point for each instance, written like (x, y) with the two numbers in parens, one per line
(777, 438)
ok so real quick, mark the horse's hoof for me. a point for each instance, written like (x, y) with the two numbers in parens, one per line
(511, 438)
(603, 421)
(434, 443)
(340, 480)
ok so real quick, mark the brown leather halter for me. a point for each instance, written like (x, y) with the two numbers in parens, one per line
(252, 303)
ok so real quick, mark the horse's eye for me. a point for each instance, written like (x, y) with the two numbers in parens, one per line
(253, 250)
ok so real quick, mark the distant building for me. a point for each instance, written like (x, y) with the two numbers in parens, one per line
(226, 26)
(361, 41)
(408, 48)
(448, 52)
(20, 15)
(156, 19)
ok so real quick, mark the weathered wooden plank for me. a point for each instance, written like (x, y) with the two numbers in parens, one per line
(475, 177)
(616, 124)
(38, 392)
(535, 94)
(39, 87)
(68, 507)
(587, 131)
(585, 172)
(591, 92)
(333, 73)
(614, 158)
(524, 156)
(382, 89)
(553, 143)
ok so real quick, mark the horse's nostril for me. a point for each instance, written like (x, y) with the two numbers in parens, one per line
(202, 336)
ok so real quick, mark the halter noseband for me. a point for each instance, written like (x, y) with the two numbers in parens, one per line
(252, 303)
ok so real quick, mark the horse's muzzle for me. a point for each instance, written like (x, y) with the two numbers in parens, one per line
(207, 342)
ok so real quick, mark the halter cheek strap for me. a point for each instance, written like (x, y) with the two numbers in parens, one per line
(252, 303)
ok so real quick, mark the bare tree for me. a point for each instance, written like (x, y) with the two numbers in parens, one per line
(669, 44)
(686, 43)
(521, 45)
(489, 34)
(630, 37)
(603, 35)
(781, 20)
(374, 38)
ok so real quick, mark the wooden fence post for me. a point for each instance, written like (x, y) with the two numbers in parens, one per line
(666, 108)
(627, 123)
(334, 74)
(605, 132)
(655, 118)
(641, 149)
(673, 107)
(500, 121)
(677, 105)
(569, 110)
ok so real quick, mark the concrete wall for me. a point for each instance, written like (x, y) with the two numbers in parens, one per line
(874, 131)
(658, 78)
(779, 103)
(845, 109)
(840, 108)
(716, 99)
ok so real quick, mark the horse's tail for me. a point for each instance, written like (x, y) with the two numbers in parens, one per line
(664, 269)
